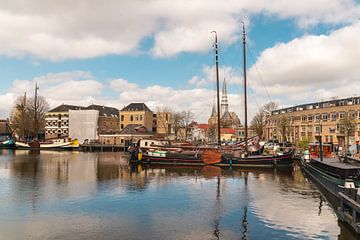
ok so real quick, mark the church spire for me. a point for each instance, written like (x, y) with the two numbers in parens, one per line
(224, 99)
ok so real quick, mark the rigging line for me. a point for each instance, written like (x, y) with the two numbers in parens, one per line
(258, 72)
(253, 95)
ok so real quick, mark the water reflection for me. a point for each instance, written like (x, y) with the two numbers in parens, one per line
(71, 195)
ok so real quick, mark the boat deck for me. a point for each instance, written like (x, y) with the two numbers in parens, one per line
(334, 162)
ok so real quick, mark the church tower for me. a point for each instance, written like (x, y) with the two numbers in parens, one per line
(213, 118)
(224, 99)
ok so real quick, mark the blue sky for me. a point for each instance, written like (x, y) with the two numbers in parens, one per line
(161, 53)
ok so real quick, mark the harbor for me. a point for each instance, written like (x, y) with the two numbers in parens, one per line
(180, 120)
(78, 195)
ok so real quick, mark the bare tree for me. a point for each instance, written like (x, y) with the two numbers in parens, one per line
(258, 121)
(40, 108)
(348, 125)
(187, 118)
(284, 126)
(23, 116)
(177, 122)
(258, 124)
(164, 119)
(269, 107)
(20, 118)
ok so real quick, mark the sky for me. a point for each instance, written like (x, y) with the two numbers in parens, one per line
(161, 52)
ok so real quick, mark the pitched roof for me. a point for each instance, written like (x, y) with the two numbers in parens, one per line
(203, 126)
(136, 107)
(65, 108)
(104, 110)
(134, 129)
(227, 130)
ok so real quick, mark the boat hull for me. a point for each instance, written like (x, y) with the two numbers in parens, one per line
(8, 144)
(258, 161)
(332, 184)
(170, 160)
(45, 146)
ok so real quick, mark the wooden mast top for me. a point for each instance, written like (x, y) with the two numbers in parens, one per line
(245, 97)
(217, 89)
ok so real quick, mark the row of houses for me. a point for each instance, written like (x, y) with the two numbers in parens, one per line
(96, 122)
(310, 121)
(135, 121)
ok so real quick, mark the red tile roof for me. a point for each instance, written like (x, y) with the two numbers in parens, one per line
(227, 130)
(203, 125)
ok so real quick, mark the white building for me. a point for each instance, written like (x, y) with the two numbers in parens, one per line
(83, 124)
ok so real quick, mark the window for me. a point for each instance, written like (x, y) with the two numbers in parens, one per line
(317, 129)
(303, 128)
(146, 143)
(122, 140)
(331, 139)
(352, 114)
(317, 117)
(121, 126)
(122, 118)
(136, 118)
(131, 118)
(324, 116)
(341, 115)
(303, 118)
(333, 116)
(140, 117)
(310, 128)
(310, 118)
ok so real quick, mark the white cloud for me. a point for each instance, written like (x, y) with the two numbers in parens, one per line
(75, 89)
(311, 67)
(85, 29)
(121, 85)
(208, 76)
(57, 88)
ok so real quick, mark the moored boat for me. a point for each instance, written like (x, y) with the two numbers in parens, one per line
(175, 158)
(6, 141)
(259, 160)
(334, 173)
(54, 145)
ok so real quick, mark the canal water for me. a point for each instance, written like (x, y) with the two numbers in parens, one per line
(75, 195)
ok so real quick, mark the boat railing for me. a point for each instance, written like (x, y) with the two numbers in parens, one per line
(352, 193)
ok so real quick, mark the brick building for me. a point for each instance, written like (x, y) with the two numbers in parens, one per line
(108, 118)
(4, 126)
(136, 113)
(307, 121)
(57, 121)
(162, 123)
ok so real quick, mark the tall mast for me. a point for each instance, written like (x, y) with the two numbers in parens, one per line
(36, 113)
(245, 97)
(23, 116)
(217, 88)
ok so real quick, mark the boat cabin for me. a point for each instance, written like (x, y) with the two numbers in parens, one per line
(146, 144)
(314, 149)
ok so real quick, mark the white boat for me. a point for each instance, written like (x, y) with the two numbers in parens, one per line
(57, 144)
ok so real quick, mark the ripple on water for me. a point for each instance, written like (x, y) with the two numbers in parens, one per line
(64, 195)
